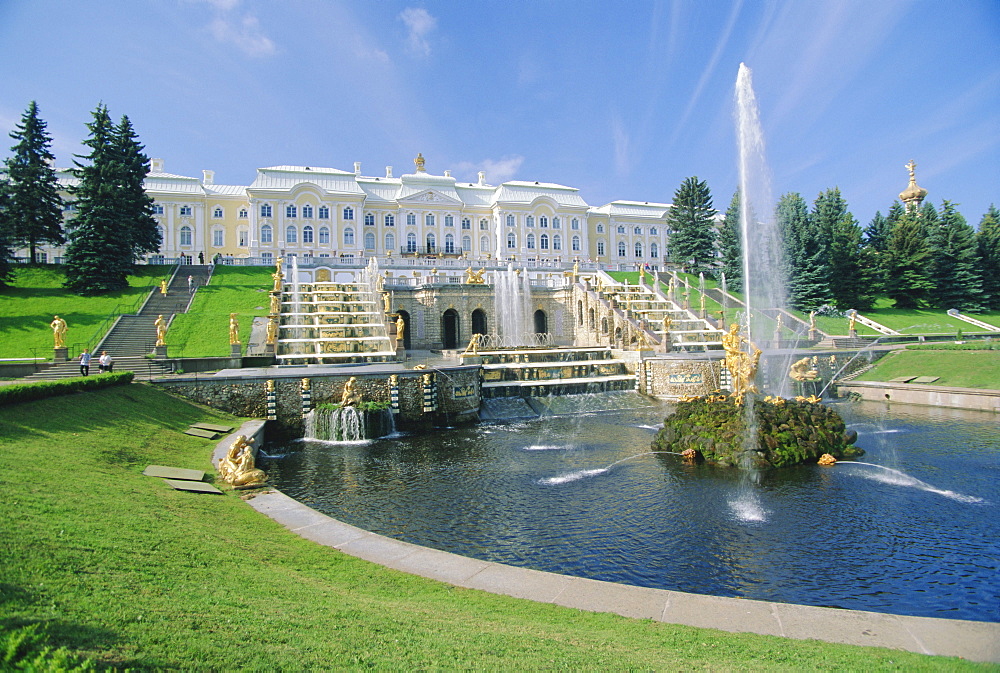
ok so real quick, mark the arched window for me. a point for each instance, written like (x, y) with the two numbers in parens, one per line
(431, 242)
(390, 220)
(390, 242)
(291, 234)
(576, 244)
(449, 243)
(429, 219)
(511, 241)
(575, 224)
(449, 221)
(555, 223)
(531, 241)
(529, 221)
(600, 248)
(467, 243)
(290, 211)
(217, 212)
(369, 241)
(557, 242)
(600, 228)
(466, 223)
(265, 210)
(621, 249)
(579, 313)
(510, 220)
(266, 234)
(543, 242)
(349, 236)
(484, 244)
(324, 236)
(307, 211)
(307, 234)
(159, 230)
(185, 235)
(348, 213)
(543, 222)
(638, 249)
(654, 250)
(411, 242)
(324, 213)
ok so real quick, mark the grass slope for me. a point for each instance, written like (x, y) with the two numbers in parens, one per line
(123, 569)
(204, 330)
(959, 368)
(37, 294)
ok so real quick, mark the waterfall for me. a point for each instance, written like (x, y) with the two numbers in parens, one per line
(348, 424)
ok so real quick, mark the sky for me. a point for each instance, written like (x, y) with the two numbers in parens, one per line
(620, 100)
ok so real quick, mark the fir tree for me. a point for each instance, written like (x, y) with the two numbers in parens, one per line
(806, 253)
(954, 261)
(136, 206)
(988, 248)
(907, 263)
(98, 257)
(731, 245)
(34, 215)
(6, 272)
(877, 232)
(896, 212)
(692, 224)
(853, 281)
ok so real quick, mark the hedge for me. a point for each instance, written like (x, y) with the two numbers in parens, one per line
(25, 392)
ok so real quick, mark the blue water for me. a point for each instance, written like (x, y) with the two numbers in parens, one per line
(914, 531)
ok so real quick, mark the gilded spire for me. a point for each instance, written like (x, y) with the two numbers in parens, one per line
(913, 195)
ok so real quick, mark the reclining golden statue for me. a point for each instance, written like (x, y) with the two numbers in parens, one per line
(238, 469)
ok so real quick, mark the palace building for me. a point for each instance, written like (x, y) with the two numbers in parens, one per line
(313, 212)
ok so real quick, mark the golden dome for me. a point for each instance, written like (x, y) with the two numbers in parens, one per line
(913, 192)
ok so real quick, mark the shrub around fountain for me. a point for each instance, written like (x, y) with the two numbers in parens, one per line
(788, 433)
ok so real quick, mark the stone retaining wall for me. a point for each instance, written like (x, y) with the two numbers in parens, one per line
(936, 396)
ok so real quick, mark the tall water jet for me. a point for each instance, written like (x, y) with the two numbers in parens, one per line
(512, 298)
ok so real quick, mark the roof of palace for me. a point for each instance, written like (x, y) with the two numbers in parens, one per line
(634, 209)
(519, 192)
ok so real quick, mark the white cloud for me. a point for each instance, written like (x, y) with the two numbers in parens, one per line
(420, 23)
(497, 171)
(244, 33)
(621, 143)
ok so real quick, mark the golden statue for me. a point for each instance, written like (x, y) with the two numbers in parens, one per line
(642, 275)
(742, 365)
(275, 302)
(826, 460)
(812, 321)
(473, 347)
(234, 329)
(804, 370)
(278, 276)
(277, 265)
(305, 385)
(272, 329)
(393, 380)
(161, 331)
(238, 468)
(400, 328)
(419, 162)
(350, 396)
(853, 323)
(667, 322)
(59, 328)
(163, 288)
(269, 385)
(386, 302)
(474, 277)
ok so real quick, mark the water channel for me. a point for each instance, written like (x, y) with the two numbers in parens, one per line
(915, 530)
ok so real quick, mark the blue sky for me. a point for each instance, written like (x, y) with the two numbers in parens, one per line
(622, 100)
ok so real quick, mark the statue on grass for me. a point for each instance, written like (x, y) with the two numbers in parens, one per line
(59, 328)
(238, 468)
(234, 329)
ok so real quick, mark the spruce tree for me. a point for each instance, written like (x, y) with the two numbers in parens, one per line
(954, 262)
(6, 272)
(877, 232)
(34, 215)
(806, 253)
(98, 257)
(692, 224)
(853, 281)
(907, 263)
(731, 245)
(988, 248)
(136, 212)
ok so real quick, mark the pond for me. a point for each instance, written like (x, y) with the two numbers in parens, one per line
(912, 529)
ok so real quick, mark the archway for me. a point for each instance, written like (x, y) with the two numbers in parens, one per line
(479, 322)
(449, 329)
(541, 322)
(407, 331)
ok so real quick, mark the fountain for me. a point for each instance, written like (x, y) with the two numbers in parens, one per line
(512, 304)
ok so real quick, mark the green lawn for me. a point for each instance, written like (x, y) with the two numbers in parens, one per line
(959, 368)
(122, 569)
(36, 295)
(204, 330)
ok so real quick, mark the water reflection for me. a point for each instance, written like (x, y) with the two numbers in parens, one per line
(573, 495)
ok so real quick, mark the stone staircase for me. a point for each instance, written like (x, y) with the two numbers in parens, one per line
(132, 337)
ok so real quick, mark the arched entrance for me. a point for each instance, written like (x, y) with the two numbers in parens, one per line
(479, 322)
(541, 322)
(449, 329)
(406, 329)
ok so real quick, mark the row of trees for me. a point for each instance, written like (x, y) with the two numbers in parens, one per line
(114, 224)
(926, 257)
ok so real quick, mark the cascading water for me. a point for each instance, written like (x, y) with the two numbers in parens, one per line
(512, 298)
(348, 424)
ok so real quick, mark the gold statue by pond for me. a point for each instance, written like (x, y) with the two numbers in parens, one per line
(742, 365)
(59, 328)
(804, 370)
(473, 347)
(351, 396)
(238, 468)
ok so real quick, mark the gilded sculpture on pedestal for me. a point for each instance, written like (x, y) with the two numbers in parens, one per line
(275, 302)
(350, 396)
(238, 468)
(804, 370)
(474, 277)
(400, 328)
(742, 365)
(473, 347)
(59, 328)
(234, 329)
(272, 329)
(161, 331)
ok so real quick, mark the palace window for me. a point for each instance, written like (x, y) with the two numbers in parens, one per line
(369, 219)
(159, 230)
(555, 223)
(369, 241)
(600, 248)
(600, 228)
(291, 211)
(576, 244)
(266, 234)
(265, 210)
(654, 250)
(349, 236)
(511, 241)
(652, 231)
(267, 258)
(185, 211)
(467, 243)
(529, 221)
(429, 219)
(575, 224)
(431, 242)
(243, 213)
(621, 249)
(484, 244)
(621, 228)
(390, 221)
(241, 237)
(324, 213)
(449, 221)
(218, 235)
(557, 242)
(510, 220)
(638, 249)
(411, 242)
(390, 242)
(307, 211)
(185, 235)
(157, 208)
(449, 244)
(466, 223)
(307, 234)
(291, 234)
(324, 236)
(348, 213)
(543, 242)
(411, 219)
(531, 241)
(637, 231)
(484, 225)
(543, 222)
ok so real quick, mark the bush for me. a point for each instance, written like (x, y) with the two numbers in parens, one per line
(25, 392)
(24, 649)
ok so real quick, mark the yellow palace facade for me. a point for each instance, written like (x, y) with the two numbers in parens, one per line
(314, 212)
